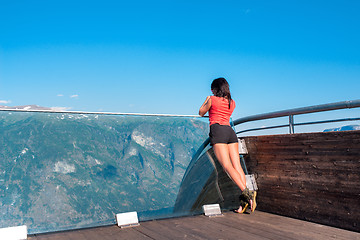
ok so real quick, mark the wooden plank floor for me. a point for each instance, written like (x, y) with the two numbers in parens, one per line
(258, 225)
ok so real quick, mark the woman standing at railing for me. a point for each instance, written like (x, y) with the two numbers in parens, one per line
(223, 139)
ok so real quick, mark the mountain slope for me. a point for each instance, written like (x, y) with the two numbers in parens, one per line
(344, 128)
(62, 171)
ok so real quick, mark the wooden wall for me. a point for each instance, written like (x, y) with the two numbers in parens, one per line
(310, 176)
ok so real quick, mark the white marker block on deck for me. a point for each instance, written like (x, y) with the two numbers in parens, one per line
(212, 210)
(128, 219)
(14, 233)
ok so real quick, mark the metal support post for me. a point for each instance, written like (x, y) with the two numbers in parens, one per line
(291, 124)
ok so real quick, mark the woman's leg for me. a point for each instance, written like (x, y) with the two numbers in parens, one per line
(222, 153)
(228, 156)
(235, 160)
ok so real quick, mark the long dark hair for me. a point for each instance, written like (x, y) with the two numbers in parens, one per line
(220, 88)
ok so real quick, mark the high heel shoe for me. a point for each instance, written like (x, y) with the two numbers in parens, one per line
(245, 201)
(243, 205)
(246, 197)
(253, 198)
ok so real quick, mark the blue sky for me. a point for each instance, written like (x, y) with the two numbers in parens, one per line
(161, 56)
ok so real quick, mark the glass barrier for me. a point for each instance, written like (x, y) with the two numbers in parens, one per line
(61, 171)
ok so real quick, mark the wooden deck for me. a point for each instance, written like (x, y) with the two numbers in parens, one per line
(258, 225)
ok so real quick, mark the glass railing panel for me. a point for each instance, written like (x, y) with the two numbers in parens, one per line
(61, 171)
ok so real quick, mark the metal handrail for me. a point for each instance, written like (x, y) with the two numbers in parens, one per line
(298, 124)
(297, 111)
(95, 113)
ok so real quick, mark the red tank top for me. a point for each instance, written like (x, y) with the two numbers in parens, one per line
(219, 111)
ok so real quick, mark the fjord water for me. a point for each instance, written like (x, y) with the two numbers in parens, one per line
(62, 171)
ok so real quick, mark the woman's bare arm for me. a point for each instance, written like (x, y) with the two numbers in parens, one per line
(205, 107)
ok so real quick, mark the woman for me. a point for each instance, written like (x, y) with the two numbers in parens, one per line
(223, 139)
